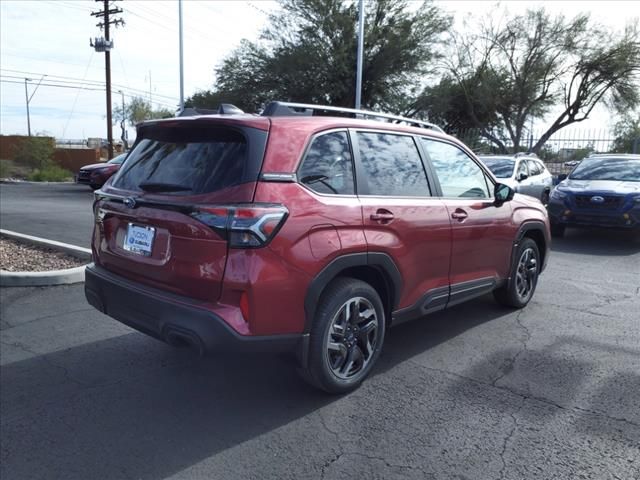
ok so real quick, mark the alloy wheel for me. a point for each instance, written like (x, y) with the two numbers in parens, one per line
(526, 274)
(352, 338)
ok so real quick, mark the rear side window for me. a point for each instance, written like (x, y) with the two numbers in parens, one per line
(192, 159)
(328, 166)
(392, 165)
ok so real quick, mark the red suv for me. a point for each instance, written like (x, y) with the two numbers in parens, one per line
(305, 233)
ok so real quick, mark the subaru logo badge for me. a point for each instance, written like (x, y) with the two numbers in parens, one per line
(597, 199)
(129, 202)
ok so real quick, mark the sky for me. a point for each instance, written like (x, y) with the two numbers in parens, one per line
(51, 37)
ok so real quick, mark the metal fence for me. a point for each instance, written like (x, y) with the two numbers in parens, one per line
(566, 145)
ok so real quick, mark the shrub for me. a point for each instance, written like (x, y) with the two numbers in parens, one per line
(35, 152)
(50, 173)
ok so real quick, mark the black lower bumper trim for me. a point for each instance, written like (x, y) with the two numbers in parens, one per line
(176, 320)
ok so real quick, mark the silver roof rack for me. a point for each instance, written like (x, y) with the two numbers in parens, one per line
(287, 109)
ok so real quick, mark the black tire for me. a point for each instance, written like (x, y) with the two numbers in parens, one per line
(557, 231)
(325, 365)
(544, 198)
(524, 276)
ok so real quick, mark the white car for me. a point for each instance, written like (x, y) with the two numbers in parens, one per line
(526, 174)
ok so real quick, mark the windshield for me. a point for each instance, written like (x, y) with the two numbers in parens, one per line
(617, 169)
(119, 159)
(500, 167)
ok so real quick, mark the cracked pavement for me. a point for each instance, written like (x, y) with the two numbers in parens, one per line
(476, 392)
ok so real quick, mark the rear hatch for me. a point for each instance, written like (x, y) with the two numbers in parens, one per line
(160, 221)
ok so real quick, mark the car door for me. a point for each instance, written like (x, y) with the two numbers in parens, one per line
(523, 178)
(482, 232)
(536, 180)
(402, 219)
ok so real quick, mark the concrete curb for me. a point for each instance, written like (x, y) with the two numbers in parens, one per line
(11, 181)
(51, 277)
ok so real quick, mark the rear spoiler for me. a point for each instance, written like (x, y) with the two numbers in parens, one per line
(223, 109)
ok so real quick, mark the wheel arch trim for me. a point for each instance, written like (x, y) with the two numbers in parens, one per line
(382, 261)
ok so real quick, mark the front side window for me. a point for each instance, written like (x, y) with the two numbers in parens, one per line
(534, 168)
(392, 165)
(522, 169)
(327, 167)
(458, 174)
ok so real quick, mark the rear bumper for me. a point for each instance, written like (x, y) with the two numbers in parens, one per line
(177, 320)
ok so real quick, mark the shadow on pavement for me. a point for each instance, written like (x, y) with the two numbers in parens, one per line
(124, 407)
(597, 242)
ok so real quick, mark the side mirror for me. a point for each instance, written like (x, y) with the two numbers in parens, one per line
(503, 193)
(522, 176)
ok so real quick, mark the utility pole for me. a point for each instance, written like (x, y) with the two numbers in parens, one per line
(28, 99)
(359, 60)
(181, 57)
(105, 45)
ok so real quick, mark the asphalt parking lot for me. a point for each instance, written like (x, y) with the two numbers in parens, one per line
(477, 392)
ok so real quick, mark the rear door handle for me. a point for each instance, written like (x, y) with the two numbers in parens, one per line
(459, 214)
(382, 216)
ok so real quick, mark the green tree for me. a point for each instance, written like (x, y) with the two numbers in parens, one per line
(506, 75)
(627, 133)
(139, 110)
(35, 152)
(307, 53)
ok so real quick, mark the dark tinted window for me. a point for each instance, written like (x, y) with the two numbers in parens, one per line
(501, 167)
(458, 174)
(619, 169)
(327, 167)
(392, 164)
(191, 160)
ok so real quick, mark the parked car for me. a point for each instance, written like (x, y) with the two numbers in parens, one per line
(602, 191)
(526, 174)
(307, 234)
(96, 174)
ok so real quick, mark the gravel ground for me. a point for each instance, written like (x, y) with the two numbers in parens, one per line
(20, 257)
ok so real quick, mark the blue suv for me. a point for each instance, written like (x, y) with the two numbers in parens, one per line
(601, 191)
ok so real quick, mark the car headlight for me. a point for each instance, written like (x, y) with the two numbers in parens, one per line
(557, 194)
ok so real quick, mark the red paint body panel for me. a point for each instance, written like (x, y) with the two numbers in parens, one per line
(418, 239)
(481, 243)
(429, 248)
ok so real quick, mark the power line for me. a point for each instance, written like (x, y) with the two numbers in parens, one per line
(130, 92)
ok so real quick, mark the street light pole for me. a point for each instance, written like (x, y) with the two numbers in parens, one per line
(26, 96)
(28, 99)
(181, 57)
(359, 60)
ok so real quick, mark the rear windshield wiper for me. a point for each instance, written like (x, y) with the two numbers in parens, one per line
(163, 187)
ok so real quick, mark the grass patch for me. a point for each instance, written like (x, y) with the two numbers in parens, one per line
(10, 169)
(50, 173)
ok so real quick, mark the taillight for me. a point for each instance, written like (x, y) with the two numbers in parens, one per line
(243, 226)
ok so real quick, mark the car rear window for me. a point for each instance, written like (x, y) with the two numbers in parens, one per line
(192, 159)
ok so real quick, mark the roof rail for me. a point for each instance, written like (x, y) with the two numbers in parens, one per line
(288, 109)
(525, 154)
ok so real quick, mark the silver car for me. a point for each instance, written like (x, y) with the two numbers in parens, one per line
(524, 173)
